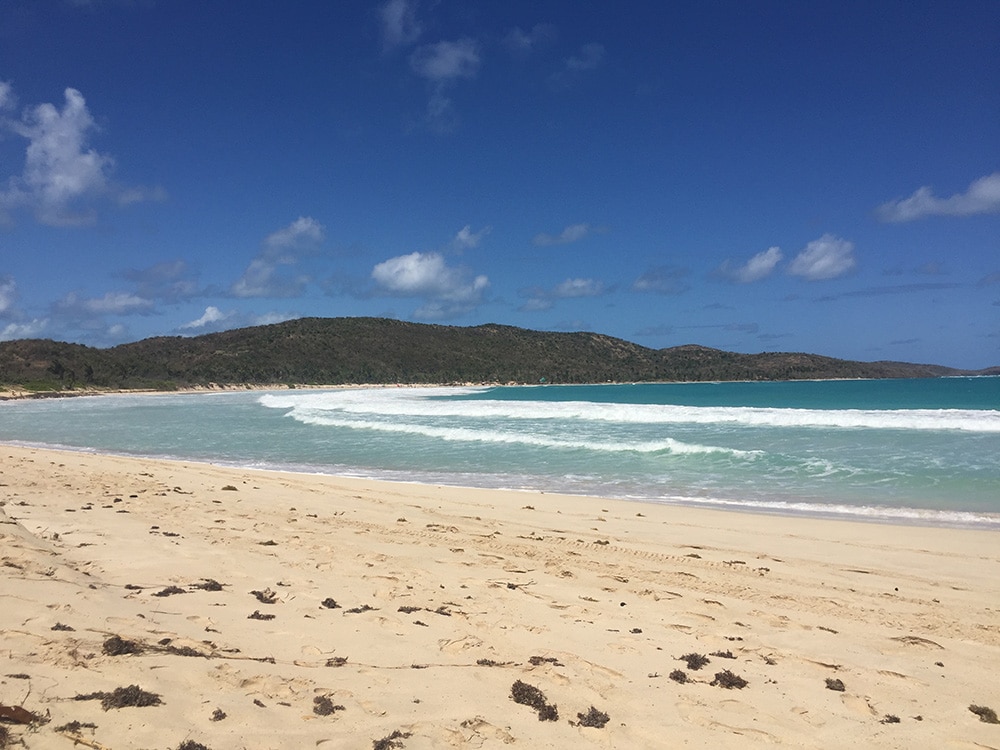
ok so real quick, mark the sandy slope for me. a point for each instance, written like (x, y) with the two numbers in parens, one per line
(590, 601)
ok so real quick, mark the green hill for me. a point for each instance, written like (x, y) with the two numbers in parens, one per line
(331, 351)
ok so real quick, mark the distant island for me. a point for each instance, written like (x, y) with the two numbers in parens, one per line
(336, 351)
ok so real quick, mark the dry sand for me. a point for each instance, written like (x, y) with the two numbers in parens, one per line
(403, 615)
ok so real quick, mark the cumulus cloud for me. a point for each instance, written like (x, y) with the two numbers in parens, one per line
(825, 258)
(572, 233)
(662, 280)
(29, 330)
(448, 290)
(399, 24)
(211, 315)
(63, 176)
(284, 247)
(758, 267)
(981, 197)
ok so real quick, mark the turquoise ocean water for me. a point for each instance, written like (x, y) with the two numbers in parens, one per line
(904, 450)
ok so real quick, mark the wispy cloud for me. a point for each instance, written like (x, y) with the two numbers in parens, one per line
(169, 281)
(981, 197)
(284, 247)
(760, 266)
(112, 303)
(521, 43)
(825, 258)
(399, 24)
(466, 239)
(589, 57)
(442, 64)
(214, 319)
(882, 291)
(8, 294)
(63, 177)
(572, 233)
(662, 280)
(538, 298)
(447, 291)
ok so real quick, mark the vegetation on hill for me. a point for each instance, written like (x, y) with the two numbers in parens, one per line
(331, 351)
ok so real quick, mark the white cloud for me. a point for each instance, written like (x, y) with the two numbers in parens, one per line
(579, 288)
(280, 248)
(572, 233)
(449, 290)
(466, 239)
(303, 232)
(8, 293)
(29, 330)
(825, 258)
(758, 267)
(62, 175)
(590, 56)
(662, 280)
(399, 24)
(7, 101)
(112, 303)
(446, 61)
(981, 197)
(212, 314)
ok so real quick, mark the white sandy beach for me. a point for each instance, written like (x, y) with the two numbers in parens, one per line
(403, 615)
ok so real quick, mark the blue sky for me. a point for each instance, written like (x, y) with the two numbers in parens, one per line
(752, 176)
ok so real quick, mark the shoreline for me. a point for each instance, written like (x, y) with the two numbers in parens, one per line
(443, 598)
(882, 516)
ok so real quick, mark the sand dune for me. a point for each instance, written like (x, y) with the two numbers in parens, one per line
(268, 610)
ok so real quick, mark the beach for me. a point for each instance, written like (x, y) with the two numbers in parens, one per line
(150, 603)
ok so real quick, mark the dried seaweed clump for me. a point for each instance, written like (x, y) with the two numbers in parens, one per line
(256, 615)
(218, 714)
(678, 675)
(890, 719)
(695, 661)
(118, 646)
(323, 706)
(728, 680)
(723, 654)
(330, 603)
(391, 742)
(832, 684)
(266, 596)
(336, 661)
(191, 745)
(170, 591)
(123, 697)
(208, 584)
(529, 695)
(4, 736)
(985, 713)
(593, 718)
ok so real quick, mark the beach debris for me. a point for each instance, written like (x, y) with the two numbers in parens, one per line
(170, 591)
(593, 718)
(118, 646)
(229, 488)
(19, 715)
(890, 719)
(536, 661)
(695, 661)
(330, 603)
(218, 715)
(336, 661)
(723, 654)
(678, 675)
(985, 714)
(123, 697)
(75, 727)
(323, 706)
(266, 596)
(60, 626)
(191, 745)
(832, 684)
(406, 609)
(256, 615)
(529, 695)
(19, 676)
(359, 610)
(729, 680)
(390, 742)
(208, 584)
